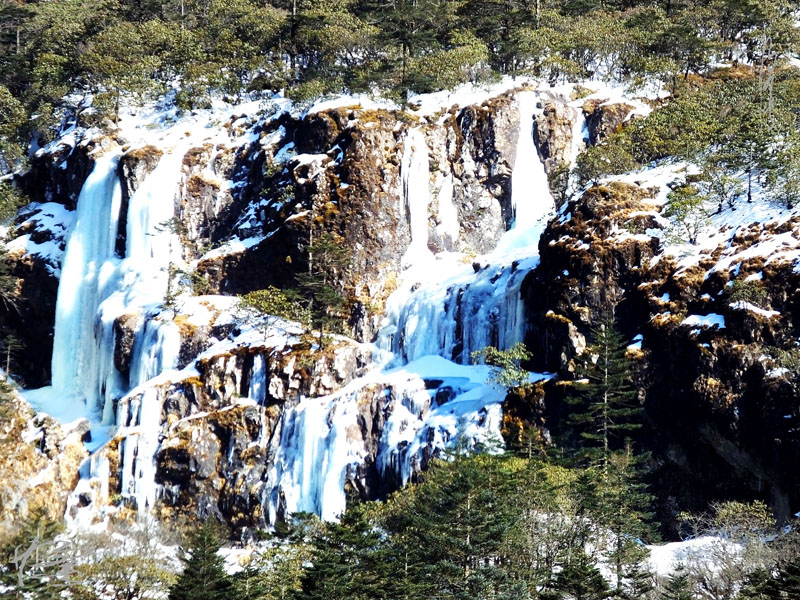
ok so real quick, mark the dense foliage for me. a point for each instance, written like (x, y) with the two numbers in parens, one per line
(54, 56)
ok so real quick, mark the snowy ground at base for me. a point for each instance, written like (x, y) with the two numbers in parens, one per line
(665, 558)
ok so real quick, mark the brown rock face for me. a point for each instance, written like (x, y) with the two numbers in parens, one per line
(552, 134)
(30, 318)
(604, 119)
(715, 414)
(124, 337)
(39, 464)
(216, 455)
(343, 176)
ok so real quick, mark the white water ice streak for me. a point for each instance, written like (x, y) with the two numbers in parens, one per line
(258, 380)
(96, 288)
(463, 314)
(470, 310)
(427, 405)
(311, 463)
(415, 177)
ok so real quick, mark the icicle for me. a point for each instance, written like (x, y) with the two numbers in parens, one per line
(415, 176)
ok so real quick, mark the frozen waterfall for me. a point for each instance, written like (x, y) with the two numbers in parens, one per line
(467, 310)
(429, 399)
(431, 323)
(96, 288)
(415, 175)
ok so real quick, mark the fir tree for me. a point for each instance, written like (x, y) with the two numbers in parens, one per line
(34, 564)
(678, 585)
(203, 576)
(580, 580)
(605, 410)
(622, 509)
(452, 529)
(784, 585)
(351, 559)
(328, 261)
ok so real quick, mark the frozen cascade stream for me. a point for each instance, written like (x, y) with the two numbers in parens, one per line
(426, 329)
(465, 311)
(415, 173)
(97, 287)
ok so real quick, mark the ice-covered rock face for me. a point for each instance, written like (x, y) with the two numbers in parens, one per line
(195, 408)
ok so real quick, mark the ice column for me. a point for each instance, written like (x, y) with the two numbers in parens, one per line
(89, 261)
(415, 176)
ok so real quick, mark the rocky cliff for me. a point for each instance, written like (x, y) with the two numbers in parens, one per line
(202, 409)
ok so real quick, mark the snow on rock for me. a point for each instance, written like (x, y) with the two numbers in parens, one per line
(709, 320)
(48, 222)
(742, 305)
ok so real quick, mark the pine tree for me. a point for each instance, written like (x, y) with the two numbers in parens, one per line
(452, 530)
(581, 580)
(351, 559)
(328, 261)
(203, 576)
(34, 564)
(605, 407)
(678, 586)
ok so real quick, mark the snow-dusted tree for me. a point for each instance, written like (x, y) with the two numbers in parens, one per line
(719, 181)
(686, 210)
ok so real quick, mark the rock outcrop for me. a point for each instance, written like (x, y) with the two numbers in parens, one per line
(39, 464)
(719, 416)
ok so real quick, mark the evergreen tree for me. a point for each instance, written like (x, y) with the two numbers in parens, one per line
(678, 585)
(351, 559)
(328, 261)
(580, 580)
(605, 408)
(781, 585)
(203, 576)
(452, 529)
(622, 509)
(35, 565)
